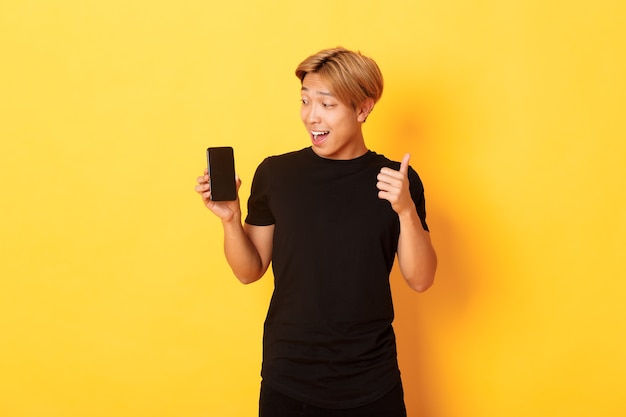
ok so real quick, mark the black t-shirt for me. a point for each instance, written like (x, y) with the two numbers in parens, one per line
(328, 338)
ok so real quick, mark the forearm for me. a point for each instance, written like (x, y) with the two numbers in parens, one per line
(248, 249)
(241, 254)
(416, 256)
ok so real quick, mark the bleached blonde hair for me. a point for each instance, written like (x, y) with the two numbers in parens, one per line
(353, 77)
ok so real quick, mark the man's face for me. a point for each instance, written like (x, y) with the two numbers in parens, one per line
(334, 127)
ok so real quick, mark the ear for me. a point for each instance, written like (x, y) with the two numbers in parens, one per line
(364, 110)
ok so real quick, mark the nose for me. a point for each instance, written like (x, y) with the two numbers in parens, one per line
(310, 113)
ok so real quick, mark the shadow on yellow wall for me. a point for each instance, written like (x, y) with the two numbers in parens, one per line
(415, 123)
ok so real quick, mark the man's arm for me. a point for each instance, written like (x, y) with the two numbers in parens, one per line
(248, 248)
(416, 255)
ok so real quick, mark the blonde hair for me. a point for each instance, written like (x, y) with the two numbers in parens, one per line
(353, 77)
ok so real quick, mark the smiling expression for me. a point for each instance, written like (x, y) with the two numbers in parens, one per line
(334, 127)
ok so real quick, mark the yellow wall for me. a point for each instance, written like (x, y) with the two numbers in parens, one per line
(115, 299)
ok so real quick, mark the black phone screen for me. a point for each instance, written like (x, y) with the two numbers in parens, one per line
(221, 163)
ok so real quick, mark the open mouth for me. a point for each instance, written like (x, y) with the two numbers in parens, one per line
(319, 136)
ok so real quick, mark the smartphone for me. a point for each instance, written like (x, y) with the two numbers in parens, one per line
(221, 162)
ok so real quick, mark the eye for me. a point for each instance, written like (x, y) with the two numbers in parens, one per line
(328, 105)
(304, 101)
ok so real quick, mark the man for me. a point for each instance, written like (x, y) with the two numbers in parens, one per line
(331, 218)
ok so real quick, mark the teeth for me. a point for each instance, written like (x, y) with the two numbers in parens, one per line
(318, 133)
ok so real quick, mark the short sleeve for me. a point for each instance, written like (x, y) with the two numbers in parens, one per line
(417, 194)
(259, 210)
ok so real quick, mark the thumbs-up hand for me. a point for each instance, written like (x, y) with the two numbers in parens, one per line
(393, 186)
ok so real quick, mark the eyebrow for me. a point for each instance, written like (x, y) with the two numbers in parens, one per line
(323, 93)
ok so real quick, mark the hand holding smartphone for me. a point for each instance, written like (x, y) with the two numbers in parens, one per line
(221, 164)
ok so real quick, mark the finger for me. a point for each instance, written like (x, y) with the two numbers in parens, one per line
(237, 182)
(404, 165)
(203, 189)
(390, 177)
(383, 186)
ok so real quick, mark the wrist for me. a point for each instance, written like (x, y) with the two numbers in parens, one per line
(409, 213)
(232, 221)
